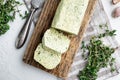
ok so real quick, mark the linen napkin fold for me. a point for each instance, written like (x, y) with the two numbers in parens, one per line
(98, 17)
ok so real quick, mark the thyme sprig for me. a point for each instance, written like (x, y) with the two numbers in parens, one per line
(7, 14)
(99, 56)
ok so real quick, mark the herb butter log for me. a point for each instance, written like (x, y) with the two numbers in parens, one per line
(69, 15)
(56, 41)
(47, 58)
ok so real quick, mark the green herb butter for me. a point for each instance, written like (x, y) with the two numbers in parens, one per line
(69, 15)
(47, 58)
(56, 41)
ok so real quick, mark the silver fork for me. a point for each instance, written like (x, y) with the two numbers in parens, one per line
(23, 34)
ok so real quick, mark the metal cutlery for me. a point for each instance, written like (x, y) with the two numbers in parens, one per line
(23, 34)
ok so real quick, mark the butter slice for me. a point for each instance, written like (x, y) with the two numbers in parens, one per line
(69, 15)
(47, 58)
(56, 41)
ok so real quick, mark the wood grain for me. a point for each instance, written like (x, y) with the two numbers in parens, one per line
(43, 24)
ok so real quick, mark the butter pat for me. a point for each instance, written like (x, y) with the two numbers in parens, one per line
(47, 58)
(56, 41)
(69, 15)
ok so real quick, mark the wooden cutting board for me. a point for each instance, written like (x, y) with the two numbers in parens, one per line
(43, 24)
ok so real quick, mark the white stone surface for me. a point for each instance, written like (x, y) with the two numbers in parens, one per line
(11, 65)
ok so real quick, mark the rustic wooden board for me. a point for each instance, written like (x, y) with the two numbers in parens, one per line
(43, 24)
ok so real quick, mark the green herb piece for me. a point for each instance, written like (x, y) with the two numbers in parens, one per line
(107, 33)
(83, 49)
(7, 14)
(112, 69)
(100, 26)
(26, 14)
(103, 26)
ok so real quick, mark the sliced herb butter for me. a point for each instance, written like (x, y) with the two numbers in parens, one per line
(47, 58)
(56, 41)
(69, 15)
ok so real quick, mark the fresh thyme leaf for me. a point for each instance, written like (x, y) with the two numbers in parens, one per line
(83, 49)
(107, 33)
(83, 45)
(7, 12)
(103, 26)
(99, 56)
(25, 15)
(100, 26)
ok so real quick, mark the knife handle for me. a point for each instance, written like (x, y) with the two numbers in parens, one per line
(22, 37)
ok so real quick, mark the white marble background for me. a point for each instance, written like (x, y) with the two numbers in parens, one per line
(11, 64)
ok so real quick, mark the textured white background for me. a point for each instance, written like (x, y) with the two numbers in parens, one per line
(11, 64)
